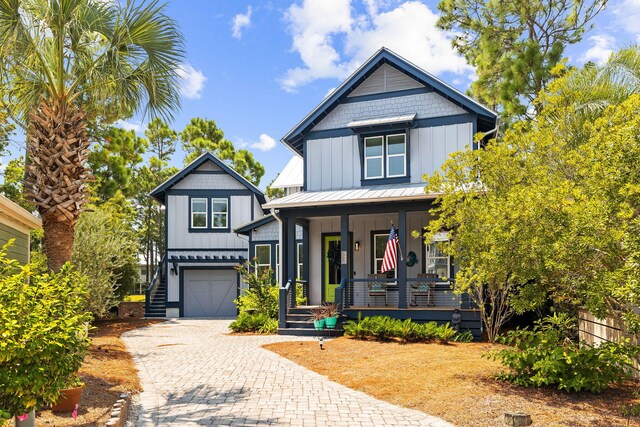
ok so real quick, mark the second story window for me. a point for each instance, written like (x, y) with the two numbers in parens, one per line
(385, 156)
(219, 213)
(199, 213)
(209, 214)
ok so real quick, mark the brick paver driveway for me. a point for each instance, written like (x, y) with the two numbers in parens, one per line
(194, 374)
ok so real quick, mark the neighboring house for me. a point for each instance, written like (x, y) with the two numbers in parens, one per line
(365, 150)
(16, 223)
(204, 203)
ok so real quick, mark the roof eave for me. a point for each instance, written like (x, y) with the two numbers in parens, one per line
(276, 205)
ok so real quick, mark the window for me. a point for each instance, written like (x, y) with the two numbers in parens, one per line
(209, 214)
(385, 156)
(379, 246)
(219, 213)
(198, 213)
(436, 261)
(300, 267)
(263, 258)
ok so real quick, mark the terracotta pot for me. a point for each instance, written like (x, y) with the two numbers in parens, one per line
(68, 399)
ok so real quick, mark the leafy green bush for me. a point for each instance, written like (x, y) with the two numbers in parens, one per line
(385, 328)
(44, 340)
(465, 336)
(257, 322)
(548, 356)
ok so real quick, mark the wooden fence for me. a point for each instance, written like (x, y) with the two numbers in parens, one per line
(595, 331)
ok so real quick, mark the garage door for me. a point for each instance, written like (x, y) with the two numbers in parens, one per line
(210, 293)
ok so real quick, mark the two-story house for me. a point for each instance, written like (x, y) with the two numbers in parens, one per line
(204, 203)
(365, 149)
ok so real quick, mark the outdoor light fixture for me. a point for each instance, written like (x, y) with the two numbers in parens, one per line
(357, 246)
(321, 341)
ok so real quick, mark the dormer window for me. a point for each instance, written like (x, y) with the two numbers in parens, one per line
(385, 156)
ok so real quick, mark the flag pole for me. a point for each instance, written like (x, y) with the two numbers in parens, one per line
(399, 245)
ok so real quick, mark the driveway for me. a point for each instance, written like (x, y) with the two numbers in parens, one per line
(194, 374)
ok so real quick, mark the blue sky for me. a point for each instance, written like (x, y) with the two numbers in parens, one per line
(258, 68)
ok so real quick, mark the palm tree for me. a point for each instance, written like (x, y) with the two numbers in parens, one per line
(70, 63)
(593, 88)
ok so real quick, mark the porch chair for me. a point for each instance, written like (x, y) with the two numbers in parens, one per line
(423, 288)
(377, 289)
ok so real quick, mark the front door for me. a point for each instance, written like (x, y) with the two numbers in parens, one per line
(331, 253)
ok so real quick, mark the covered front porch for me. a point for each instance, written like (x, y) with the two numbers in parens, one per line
(420, 287)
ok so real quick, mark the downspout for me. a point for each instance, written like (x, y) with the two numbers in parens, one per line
(275, 215)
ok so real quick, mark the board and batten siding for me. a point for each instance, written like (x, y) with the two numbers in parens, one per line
(334, 163)
(20, 248)
(178, 235)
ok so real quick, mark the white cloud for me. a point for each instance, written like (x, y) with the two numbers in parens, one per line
(628, 14)
(240, 22)
(265, 143)
(191, 81)
(335, 45)
(601, 49)
(134, 126)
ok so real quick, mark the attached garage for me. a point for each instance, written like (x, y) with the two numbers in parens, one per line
(210, 293)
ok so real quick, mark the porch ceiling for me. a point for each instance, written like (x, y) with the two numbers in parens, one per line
(370, 194)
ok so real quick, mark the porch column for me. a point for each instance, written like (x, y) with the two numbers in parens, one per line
(402, 264)
(291, 257)
(344, 248)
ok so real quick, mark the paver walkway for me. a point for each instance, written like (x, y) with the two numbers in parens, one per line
(194, 374)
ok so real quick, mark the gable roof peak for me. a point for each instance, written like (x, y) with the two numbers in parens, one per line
(383, 55)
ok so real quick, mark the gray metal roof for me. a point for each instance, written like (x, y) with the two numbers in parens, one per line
(292, 175)
(369, 194)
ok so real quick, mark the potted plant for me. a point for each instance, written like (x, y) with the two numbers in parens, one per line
(317, 317)
(331, 315)
(69, 397)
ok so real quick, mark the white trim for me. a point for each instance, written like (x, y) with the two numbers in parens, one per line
(206, 213)
(226, 213)
(381, 157)
(403, 155)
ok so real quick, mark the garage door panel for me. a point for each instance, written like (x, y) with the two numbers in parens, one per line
(210, 293)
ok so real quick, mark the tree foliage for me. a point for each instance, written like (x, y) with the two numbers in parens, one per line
(202, 135)
(42, 324)
(548, 213)
(105, 251)
(69, 63)
(515, 45)
(113, 159)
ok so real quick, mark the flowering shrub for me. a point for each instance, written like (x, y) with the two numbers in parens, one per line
(44, 340)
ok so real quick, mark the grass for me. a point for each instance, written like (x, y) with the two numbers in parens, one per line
(453, 382)
(107, 371)
(134, 298)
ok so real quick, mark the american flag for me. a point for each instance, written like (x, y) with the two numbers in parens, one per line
(390, 259)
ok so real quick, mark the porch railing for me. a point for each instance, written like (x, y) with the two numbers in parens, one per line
(305, 289)
(384, 293)
(284, 302)
(152, 289)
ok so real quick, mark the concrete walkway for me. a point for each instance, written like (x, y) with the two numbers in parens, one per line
(194, 374)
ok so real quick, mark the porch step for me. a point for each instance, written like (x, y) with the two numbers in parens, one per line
(310, 332)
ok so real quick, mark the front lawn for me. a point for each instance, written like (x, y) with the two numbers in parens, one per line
(453, 382)
(107, 371)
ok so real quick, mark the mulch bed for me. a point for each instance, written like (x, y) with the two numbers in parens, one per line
(108, 370)
(454, 382)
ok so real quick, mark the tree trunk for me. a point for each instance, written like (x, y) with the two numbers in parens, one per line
(58, 241)
(56, 174)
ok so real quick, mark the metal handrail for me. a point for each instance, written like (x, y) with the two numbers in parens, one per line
(150, 293)
(340, 294)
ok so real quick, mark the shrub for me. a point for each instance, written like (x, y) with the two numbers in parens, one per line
(548, 356)
(465, 336)
(270, 326)
(247, 322)
(42, 325)
(385, 328)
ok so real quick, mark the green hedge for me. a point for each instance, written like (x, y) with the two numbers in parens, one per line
(386, 328)
(260, 323)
